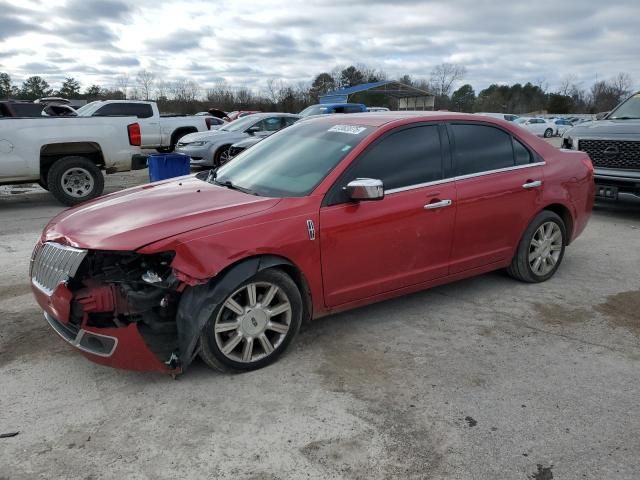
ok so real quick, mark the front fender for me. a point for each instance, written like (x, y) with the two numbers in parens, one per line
(198, 303)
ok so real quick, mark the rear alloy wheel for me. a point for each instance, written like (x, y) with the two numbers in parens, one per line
(75, 179)
(548, 133)
(541, 249)
(254, 324)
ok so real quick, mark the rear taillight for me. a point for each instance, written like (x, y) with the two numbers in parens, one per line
(135, 138)
(209, 122)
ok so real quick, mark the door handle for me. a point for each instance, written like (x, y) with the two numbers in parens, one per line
(533, 184)
(439, 204)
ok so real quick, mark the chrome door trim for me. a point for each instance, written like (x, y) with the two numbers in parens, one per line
(462, 177)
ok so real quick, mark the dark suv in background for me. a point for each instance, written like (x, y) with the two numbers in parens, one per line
(613, 144)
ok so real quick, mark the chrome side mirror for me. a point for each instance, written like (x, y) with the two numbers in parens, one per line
(363, 189)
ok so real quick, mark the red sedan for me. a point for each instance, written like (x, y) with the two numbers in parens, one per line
(329, 214)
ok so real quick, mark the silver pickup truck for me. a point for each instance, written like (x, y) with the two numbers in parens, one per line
(613, 144)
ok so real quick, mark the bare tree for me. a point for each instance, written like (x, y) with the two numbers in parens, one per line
(162, 89)
(145, 80)
(567, 83)
(621, 85)
(443, 77)
(123, 84)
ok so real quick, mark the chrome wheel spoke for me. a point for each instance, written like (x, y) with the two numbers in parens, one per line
(251, 294)
(226, 327)
(533, 255)
(535, 243)
(247, 349)
(278, 327)
(266, 344)
(268, 297)
(279, 309)
(234, 306)
(536, 265)
(231, 344)
(556, 248)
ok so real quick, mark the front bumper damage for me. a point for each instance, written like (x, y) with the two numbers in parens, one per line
(106, 310)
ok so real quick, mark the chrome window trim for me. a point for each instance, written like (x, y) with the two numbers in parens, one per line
(462, 177)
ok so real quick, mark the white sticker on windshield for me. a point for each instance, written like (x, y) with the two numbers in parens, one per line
(350, 129)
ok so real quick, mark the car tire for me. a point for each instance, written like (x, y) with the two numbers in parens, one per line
(43, 182)
(242, 335)
(221, 156)
(548, 133)
(541, 249)
(72, 180)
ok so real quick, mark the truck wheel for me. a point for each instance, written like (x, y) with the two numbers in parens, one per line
(72, 180)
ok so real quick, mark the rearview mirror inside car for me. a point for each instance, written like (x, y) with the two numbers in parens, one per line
(364, 189)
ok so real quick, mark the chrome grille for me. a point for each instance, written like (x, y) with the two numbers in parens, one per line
(53, 264)
(612, 153)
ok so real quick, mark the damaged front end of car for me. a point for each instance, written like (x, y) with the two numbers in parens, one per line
(118, 308)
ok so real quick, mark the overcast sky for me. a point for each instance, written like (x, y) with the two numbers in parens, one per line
(245, 42)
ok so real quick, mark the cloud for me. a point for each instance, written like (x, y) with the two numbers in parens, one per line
(120, 61)
(176, 42)
(93, 11)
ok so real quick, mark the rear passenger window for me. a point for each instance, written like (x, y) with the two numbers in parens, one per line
(408, 157)
(520, 152)
(480, 148)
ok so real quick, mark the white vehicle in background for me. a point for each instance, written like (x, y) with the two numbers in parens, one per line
(160, 132)
(67, 155)
(537, 126)
(562, 125)
(509, 117)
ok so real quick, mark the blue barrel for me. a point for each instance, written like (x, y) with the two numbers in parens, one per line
(168, 165)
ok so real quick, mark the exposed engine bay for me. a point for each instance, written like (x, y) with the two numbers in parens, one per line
(113, 289)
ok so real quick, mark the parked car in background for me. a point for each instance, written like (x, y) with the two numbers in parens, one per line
(313, 220)
(509, 117)
(16, 109)
(537, 126)
(67, 155)
(562, 125)
(211, 149)
(240, 114)
(614, 147)
(328, 108)
(378, 109)
(160, 132)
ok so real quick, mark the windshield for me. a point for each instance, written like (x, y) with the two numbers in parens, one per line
(313, 110)
(291, 163)
(628, 110)
(241, 124)
(88, 109)
(521, 120)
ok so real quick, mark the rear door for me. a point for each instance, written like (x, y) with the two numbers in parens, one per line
(373, 247)
(499, 185)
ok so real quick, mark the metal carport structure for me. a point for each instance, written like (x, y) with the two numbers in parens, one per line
(408, 97)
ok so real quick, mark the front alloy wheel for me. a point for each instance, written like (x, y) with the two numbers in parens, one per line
(545, 248)
(254, 324)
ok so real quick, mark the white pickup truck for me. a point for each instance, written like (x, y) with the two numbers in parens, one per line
(66, 155)
(160, 132)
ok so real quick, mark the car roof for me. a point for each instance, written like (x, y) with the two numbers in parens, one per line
(271, 114)
(378, 119)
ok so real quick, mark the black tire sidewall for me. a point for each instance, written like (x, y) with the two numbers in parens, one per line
(547, 131)
(523, 250)
(207, 338)
(56, 171)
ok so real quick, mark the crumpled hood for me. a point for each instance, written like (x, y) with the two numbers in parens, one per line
(133, 218)
(606, 127)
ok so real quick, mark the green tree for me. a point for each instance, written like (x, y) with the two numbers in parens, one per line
(351, 76)
(93, 92)
(559, 103)
(322, 84)
(34, 87)
(70, 88)
(5, 85)
(463, 99)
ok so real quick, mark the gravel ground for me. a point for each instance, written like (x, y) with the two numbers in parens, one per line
(485, 378)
